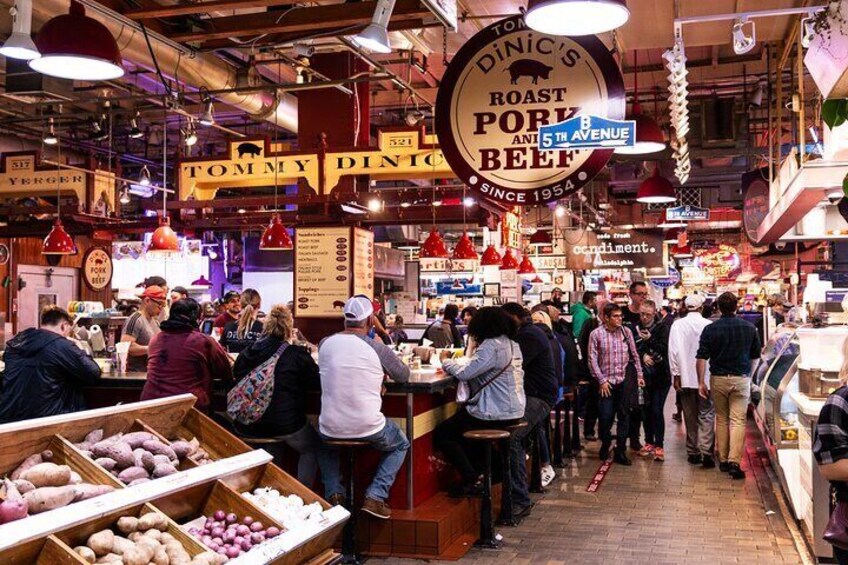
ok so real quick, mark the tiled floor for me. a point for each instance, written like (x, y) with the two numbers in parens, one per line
(650, 513)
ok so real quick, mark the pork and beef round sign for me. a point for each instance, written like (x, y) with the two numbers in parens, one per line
(501, 87)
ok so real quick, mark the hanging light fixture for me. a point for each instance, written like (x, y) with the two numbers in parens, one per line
(682, 251)
(276, 236)
(20, 45)
(743, 43)
(509, 262)
(576, 17)
(541, 238)
(375, 37)
(656, 190)
(77, 47)
(135, 132)
(189, 133)
(207, 116)
(50, 137)
(649, 136)
(491, 257)
(125, 194)
(465, 249)
(144, 176)
(434, 246)
(671, 235)
(164, 241)
(526, 267)
(58, 241)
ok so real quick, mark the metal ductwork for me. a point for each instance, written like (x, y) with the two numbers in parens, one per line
(195, 69)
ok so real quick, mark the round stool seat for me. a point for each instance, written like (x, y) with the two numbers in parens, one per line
(347, 442)
(486, 435)
(260, 440)
(515, 427)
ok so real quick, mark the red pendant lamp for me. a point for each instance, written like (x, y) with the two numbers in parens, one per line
(681, 251)
(434, 246)
(58, 241)
(526, 267)
(656, 190)
(541, 238)
(671, 235)
(649, 136)
(491, 257)
(465, 249)
(164, 239)
(509, 262)
(276, 236)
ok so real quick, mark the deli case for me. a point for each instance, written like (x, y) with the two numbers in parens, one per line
(798, 370)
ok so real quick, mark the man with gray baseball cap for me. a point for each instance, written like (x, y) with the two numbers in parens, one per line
(352, 367)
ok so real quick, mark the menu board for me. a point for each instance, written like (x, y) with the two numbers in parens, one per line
(363, 262)
(322, 271)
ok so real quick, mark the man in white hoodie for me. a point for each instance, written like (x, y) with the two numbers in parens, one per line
(698, 413)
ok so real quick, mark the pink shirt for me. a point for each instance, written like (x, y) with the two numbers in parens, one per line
(609, 353)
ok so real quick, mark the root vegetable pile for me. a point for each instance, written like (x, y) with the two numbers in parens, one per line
(290, 510)
(228, 535)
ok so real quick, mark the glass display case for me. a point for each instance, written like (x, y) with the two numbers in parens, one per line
(777, 411)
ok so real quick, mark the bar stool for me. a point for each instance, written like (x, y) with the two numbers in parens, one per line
(487, 529)
(536, 458)
(349, 446)
(557, 439)
(270, 444)
(506, 517)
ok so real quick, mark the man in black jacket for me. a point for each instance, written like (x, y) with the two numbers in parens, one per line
(45, 371)
(540, 388)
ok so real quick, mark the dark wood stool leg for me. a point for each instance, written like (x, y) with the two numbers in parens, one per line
(558, 434)
(506, 517)
(535, 462)
(487, 528)
(349, 553)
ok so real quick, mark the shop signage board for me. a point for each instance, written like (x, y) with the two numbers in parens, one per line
(687, 214)
(363, 262)
(720, 261)
(587, 132)
(322, 279)
(632, 249)
(665, 282)
(501, 88)
(97, 268)
(447, 265)
(445, 11)
(511, 230)
(755, 206)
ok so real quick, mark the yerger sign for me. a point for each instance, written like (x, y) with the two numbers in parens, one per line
(505, 85)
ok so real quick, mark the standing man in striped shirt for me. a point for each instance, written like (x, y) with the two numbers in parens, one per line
(611, 350)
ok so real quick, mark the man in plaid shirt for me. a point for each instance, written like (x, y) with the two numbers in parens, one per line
(611, 349)
(830, 449)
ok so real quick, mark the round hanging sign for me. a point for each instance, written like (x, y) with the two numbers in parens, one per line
(507, 82)
(4, 253)
(97, 268)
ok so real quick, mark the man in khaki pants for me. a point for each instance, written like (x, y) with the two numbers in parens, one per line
(729, 344)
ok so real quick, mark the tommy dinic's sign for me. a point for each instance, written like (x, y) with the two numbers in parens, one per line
(401, 154)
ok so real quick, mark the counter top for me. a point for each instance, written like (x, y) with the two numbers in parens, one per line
(809, 406)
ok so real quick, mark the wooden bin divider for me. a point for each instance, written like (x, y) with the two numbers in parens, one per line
(57, 552)
(274, 477)
(208, 433)
(192, 545)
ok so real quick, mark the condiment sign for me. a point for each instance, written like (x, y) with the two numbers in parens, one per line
(634, 249)
(502, 87)
(687, 214)
(97, 268)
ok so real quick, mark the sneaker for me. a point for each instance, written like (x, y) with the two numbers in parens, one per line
(695, 459)
(548, 475)
(521, 512)
(603, 454)
(377, 508)
(622, 459)
(659, 454)
(735, 472)
(337, 499)
(708, 462)
(647, 450)
(724, 466)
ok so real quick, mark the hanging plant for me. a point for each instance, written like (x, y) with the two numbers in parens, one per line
(835, 112)
(822, 21)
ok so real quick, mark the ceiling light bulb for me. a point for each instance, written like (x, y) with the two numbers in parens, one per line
(50, 138)
(405, 204)
(743, 43)
(559, 211)
(375, 37)
(20, 45)
(808, 27)
(135, 132)
(375, 205)
(207, 117)
(576, 17)
(437, 203)
(144, 176)
(835, 194)
(190, 135)
(125, 195)
(468, 202)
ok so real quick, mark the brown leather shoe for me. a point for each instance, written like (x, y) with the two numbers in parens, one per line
(377, 508)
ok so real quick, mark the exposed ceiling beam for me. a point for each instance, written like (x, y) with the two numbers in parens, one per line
(317, 20)
(153, 12)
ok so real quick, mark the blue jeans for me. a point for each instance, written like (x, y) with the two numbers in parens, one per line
(394, 445)
(614, 407)
(655, 418)
(535, 412)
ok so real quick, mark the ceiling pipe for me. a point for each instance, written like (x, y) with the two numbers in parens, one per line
(194, 69)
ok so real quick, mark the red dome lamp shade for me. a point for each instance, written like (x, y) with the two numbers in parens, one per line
(58, 241)
(656, 190)
(164, 239)
(465, 249)
(527, 267)
(276, 236)
(434, 246)
(491, 257)
(681, 251)
(77, 47)
(649, 136)
(509, 262)
(541, 238)
(672, 235)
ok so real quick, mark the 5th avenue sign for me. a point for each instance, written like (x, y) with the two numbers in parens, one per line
(506, 84)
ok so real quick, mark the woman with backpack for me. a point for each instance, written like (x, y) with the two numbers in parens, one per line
(282, 413)
(238, 334)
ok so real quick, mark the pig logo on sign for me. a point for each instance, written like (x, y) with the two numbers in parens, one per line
(248, 149)
(528, 68)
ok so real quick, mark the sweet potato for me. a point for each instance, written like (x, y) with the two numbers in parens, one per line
(23, 486)
(138, 481)
(143, 458)
(86, 553)
(119, 451)
(76, 479)
(48, 498)
(48, 475)
(14, 507)
(83, 446)
(94, 436)
(136, 439)
(106, 462)
(132, 473)
(156, 447)
(161, 459)
(182, 448)
(84, 491)
(31, 461)
(163, 470)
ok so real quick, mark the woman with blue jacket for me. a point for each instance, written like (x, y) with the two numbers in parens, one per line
(496, 381)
